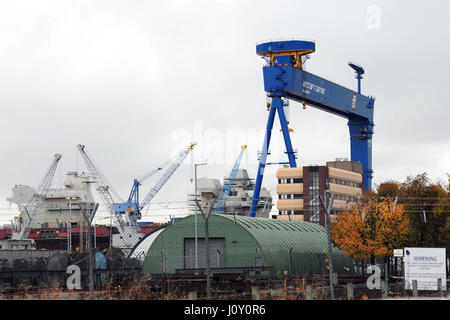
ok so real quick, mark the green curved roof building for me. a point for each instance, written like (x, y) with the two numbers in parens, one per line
(236, 242)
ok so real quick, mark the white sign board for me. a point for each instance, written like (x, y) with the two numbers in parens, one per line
(426, 265)
(398, 252)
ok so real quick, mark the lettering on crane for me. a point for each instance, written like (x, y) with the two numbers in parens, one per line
(308, 87)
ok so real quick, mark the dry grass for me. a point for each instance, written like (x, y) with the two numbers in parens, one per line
(135, 288)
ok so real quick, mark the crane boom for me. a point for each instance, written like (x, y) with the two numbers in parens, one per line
(167, 174)
(100, 183)
(103, 189)
(134, 194)
(225, 192)
(34, 205)
(151, 173)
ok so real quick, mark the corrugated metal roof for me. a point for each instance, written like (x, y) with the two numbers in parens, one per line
(279, 236)
(255, 224)
(296, 245)
(303, 241)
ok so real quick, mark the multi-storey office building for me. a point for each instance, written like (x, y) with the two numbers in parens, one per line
(298, 189)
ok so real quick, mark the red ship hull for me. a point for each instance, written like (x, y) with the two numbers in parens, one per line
(57, 238)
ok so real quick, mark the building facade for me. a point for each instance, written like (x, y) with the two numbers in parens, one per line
(298, 189)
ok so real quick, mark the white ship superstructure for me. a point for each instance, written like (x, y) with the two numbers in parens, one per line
(239, 199)
(61, 205)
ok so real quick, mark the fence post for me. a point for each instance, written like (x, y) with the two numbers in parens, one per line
(414, 286)
(89, 209)
(208, 271)
(255, 293)
(439, 286)
(384, 289)
(350, 291)
(192, 295)
(330, 246)
(309, 292)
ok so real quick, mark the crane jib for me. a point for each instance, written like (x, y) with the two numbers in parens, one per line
(166, 176)
(225, 192)
(33, 207)
(300, 86)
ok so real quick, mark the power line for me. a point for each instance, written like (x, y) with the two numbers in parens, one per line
(401, 197)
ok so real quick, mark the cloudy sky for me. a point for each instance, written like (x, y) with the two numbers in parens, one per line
(136, 81)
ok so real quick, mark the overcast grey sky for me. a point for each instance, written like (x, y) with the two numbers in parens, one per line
(135, 81)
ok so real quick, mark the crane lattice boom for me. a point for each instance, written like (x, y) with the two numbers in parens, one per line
(34, 205)
(167, 174)
(100, 184)
(229, 183)
(102, 188)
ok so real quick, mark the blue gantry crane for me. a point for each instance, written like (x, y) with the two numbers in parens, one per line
(225, 192)
(284, 79)
(132, 208)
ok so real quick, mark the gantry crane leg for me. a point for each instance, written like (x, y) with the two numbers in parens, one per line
(275, 107)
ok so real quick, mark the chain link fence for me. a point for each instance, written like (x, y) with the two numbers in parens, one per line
(44, 269)
(211, 257)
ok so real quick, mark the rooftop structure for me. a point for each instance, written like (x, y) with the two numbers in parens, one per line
(239, 198)
(60, 205)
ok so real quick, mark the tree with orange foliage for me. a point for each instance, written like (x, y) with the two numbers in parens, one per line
(372, 228)
(419, 194)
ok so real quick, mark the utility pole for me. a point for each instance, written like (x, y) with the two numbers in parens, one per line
(69, 226)
(89, 209)
(110, 230)
(206, 218)
(195, 217)
(327, 210)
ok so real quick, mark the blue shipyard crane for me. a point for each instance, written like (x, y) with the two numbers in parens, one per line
(132, 208)
(30, 210)
(133, 198)
(284, 78)
(225, 192)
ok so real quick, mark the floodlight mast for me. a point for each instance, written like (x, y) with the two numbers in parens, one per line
(359, 72)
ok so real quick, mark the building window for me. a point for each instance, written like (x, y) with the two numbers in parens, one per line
(314, 204)
(290, 196)
(344, 197)
(290, 212)
(291, 180)
(345, 183)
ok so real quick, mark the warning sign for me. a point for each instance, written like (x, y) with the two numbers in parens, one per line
(426, 265)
